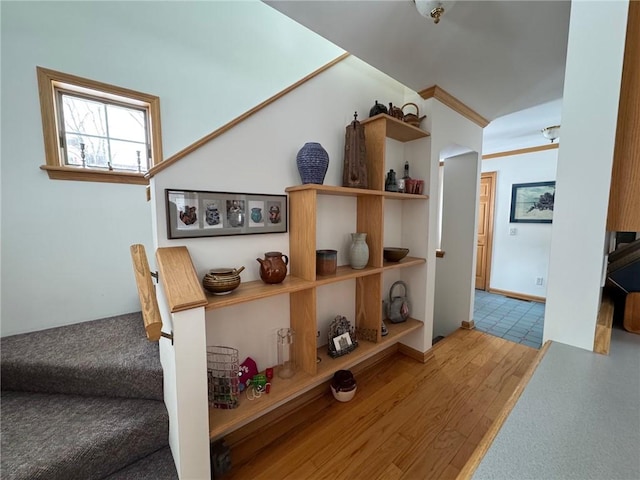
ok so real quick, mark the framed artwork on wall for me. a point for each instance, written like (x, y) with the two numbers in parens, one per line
(197, 213)
(532, 202)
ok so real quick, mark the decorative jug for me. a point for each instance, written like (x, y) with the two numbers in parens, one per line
(358, 251)
(398, 306)
(256, 215)
(274, 214)
(212, 215)
(273, 268)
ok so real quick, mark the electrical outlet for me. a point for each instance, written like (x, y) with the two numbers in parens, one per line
(539, 281)
(513, 231)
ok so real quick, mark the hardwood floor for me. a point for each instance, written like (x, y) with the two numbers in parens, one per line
(408, 420)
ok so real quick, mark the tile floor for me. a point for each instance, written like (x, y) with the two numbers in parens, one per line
(515, 320)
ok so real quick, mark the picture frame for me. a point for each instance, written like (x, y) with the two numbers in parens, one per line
(342, 342)
(532, 202)
(199, 213)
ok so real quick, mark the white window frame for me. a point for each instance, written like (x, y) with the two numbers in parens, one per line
(50, 84)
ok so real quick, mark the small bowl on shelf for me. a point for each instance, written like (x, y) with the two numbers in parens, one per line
(394, 254)
(221, 281)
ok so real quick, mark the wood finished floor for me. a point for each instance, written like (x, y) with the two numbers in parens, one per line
(408, 420)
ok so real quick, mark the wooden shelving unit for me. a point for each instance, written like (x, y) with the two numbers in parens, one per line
(224, 421)
(302, 283)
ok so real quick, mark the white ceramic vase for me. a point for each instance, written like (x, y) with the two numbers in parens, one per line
(358, 251)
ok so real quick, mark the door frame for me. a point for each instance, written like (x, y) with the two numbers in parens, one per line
(489, 245)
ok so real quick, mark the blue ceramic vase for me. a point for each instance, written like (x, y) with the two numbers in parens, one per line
(313, 161)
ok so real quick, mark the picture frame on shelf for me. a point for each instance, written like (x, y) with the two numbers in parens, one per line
(532, 202)
(199, 213)
(342, 342)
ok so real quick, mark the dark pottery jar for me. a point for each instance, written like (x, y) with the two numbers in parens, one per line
(273, 268)
(377, 109)
(343, 385)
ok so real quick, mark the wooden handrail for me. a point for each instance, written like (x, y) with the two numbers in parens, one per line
(179, 279)
(147, 293)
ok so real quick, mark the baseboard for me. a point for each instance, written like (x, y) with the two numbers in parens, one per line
(422, 357)
(519, 296)
(602, 339)
(470, 325)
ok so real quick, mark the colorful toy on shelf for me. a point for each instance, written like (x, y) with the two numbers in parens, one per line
(248, 370)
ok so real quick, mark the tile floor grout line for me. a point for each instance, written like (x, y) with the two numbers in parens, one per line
(515, 320)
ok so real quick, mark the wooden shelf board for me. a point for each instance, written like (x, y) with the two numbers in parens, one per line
(405, 262)
(255, 290)
(334, 190)
(354, 192)
(404, 196)
(223, 421)
(397, 129)
(345, 272)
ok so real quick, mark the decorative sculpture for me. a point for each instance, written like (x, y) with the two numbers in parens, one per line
(354, 173)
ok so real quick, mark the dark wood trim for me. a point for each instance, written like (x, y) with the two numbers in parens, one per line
(468, 325)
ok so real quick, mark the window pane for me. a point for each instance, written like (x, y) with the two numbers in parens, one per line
(83, 116)
(96, 151)
(126, 123)
(124, 155)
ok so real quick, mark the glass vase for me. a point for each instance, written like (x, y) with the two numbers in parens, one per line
(286, 363)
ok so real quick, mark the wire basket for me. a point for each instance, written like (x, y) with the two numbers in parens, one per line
(222, 376)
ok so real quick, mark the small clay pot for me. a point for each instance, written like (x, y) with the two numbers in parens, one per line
(326, 262)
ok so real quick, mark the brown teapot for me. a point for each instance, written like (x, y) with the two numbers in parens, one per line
(273, 268)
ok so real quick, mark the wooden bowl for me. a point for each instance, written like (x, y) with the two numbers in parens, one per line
(393, 254)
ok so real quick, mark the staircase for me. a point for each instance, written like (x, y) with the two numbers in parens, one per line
(84, 401)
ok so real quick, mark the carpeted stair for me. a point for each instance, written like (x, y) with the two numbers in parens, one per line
(84, 402)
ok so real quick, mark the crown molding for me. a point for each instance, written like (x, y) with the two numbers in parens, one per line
(454, 104)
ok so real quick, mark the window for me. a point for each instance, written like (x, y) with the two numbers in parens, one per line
(97, 132)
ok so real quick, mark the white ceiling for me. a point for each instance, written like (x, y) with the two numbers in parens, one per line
(504, 59)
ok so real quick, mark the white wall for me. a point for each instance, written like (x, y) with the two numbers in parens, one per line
(450, 132)
(591, 95)
(517, 260)
(65, 246)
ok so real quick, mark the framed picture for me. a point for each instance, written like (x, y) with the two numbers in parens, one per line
(532, 202)
(342, 342)
(197, 213)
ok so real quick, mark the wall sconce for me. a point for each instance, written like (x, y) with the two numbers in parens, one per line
(551, 133)
(430, 9)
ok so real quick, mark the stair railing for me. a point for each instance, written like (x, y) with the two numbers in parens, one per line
(147, 293)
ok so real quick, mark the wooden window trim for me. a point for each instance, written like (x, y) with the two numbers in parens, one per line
(55, 168)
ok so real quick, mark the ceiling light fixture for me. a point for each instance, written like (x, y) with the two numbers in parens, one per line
(430, 9)
(551, 133)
